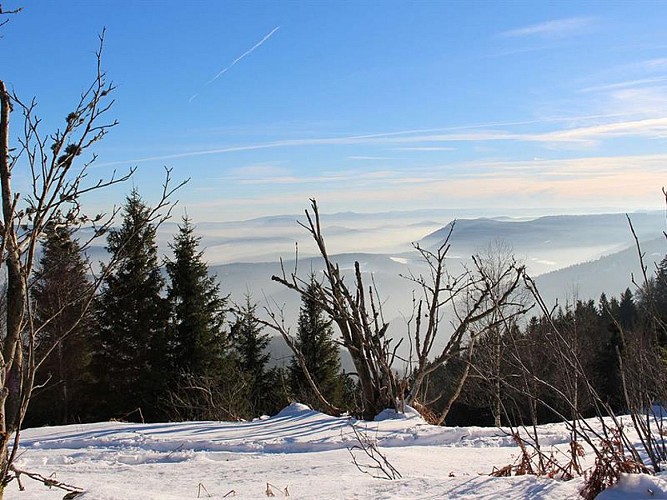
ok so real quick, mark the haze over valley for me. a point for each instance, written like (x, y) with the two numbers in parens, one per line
(569, 253)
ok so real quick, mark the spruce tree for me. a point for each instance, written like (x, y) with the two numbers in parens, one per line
(250, 343)
(609, 349)
(652, 309)
(315, 341)
(131, 357)
(627, 310)
(61, 294)
(197, 311)
(659, 310)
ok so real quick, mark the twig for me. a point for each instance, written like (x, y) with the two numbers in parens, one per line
(180, 447)
(371, 450)
(200, 487)
(47, 481)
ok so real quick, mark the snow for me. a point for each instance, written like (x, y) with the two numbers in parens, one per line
(299, 449)
(636, 486)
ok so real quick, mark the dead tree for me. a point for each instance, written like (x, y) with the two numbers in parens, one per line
(473, 296)
(58, 181)
(481, 299)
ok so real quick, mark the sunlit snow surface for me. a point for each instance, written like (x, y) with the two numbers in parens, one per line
(298, 449)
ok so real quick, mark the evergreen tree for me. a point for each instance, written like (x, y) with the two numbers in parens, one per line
(131, 355)
(250, 343)
(196, 335)
(653, 309)
(627, 310)
(314, 340)
(659, 309)
(609, 349)
(61, 294)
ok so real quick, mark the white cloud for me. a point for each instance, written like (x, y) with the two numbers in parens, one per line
(557, 28)
(655, 63)
(651, 127)
(624, 85)
(626, 182)
(420, 140)
(254, 171)
(426, 148)
(372, 158)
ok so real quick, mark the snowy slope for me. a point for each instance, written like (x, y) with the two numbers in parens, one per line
(298, 449)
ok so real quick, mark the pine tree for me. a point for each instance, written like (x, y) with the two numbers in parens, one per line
(131, 355)
(61, 294)
(607, 365)
(196, 335)
(659, 310)
(315, 341)
(252, 358)
(652, 309)
(627, 310)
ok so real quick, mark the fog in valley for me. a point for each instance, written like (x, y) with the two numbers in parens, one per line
(572, 257)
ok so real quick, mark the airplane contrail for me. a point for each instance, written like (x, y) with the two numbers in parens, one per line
(235, 61)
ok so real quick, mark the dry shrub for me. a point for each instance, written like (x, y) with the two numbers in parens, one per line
(534, 461)
(426, 413)
(610, 463)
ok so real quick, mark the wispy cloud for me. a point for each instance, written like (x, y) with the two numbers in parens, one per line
(508, 187)
(426, 148)
(258, 171)
(237, 60)
(653, 127)
(373, 158)
(557, 28)
(658, 63)
(330, 179)
(649, 128)
(625, 182)
(641, 82)
(504, 172)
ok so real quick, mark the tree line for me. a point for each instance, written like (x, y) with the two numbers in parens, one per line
(579, 360)
(161, 341)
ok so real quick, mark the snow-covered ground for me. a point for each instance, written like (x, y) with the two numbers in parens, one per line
(299, 452)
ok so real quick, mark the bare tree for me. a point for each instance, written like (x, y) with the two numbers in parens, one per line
(484, 300)
(58, 181)
(473, 295)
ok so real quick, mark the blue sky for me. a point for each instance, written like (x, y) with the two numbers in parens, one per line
(365, 105)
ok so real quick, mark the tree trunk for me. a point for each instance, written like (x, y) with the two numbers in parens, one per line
(497, 385)
(64, 416)
(12, 359)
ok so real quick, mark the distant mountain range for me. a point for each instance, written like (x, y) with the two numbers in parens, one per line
(572, 256)
(582, 255)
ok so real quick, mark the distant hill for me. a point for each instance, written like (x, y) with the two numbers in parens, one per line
(611, 274)
(590, 254)
(582, 246)
(546, 244)
(553, 231)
